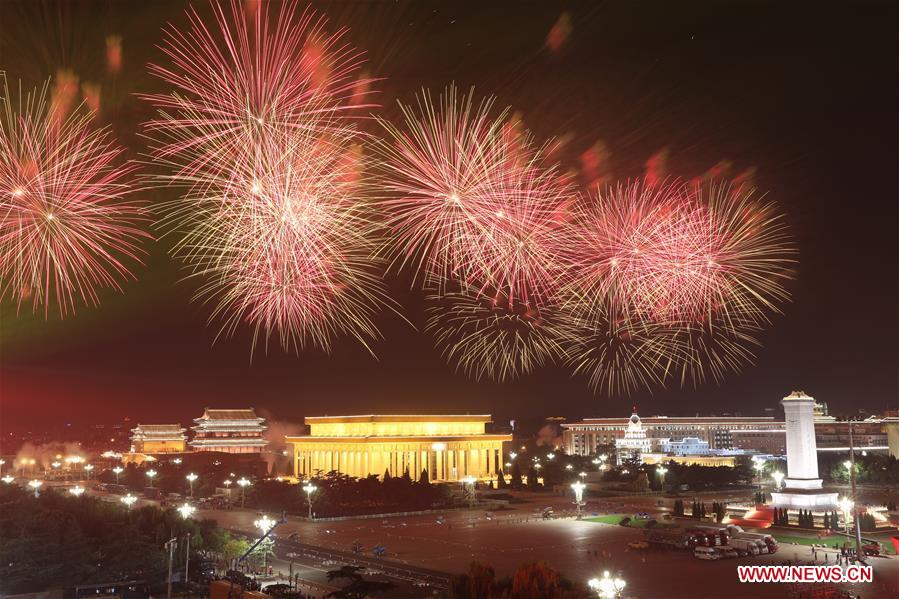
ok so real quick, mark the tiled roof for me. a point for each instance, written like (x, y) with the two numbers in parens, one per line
(160, 428)
(228, 414)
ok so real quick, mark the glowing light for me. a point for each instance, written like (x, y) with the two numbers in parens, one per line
(186, 510)
(607, 587)
(128, 500)
(264, 524)
(77, 490)
(8, 479)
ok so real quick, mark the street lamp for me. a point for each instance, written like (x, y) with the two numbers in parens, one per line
(7, 479)
(117, 471)
(265, 524)
(129, 500)
(2, 462)
(759, 466)
(778, 477)
(244, 483)
(35, 484)
(848, 465)
(151, 474)
(569, 467)
(55, 465)
(550, 456)
(77, 490)
(190, 479)
(607, 587)
(512, 455)
(578, 489)
(662, 471)
(88, 468)
(469, 483)
(186, 510)
(846, 505)
(310, 489)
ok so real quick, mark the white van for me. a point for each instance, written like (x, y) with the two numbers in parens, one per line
(706, 553)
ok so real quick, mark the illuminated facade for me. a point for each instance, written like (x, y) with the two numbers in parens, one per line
(448, 447)
(229, 431)
(158, 438)
(634, 443)
(588, 436)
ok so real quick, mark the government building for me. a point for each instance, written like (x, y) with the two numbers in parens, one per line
(448, 447)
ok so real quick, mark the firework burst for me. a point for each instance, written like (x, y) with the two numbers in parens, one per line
(689, 274)
(677, 253)
(471, 202)
(68, 225)
(273, 218)
(491, 337)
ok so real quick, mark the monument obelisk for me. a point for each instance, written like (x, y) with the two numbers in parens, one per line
(803, 489)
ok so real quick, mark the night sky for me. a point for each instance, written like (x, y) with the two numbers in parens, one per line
(806, 94)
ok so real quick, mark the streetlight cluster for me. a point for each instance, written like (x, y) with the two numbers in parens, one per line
(607, 587)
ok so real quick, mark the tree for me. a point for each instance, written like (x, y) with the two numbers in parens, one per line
(678, 507)
(501, 480)
(387, 476)
(537, 581)
(516, 476)
(477, 583)
(424, 479)
(533, 485)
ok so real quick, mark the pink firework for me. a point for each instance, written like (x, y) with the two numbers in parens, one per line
(677, 253)
(272, 219)
(470, 200)
(249, 73)
(285, 246)
(67, 223)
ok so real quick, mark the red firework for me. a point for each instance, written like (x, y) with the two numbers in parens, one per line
(254, 71)
(272, 218)
(677, 253)
(471, 202)
(67, 223)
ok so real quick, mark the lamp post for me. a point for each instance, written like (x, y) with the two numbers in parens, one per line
(265, 524)
(2, 462)
(578, 489)
(759, 466)
(309, 488)
(846, 505)
(662, 471)
(117, 471)
(778, 477)
(36, 485)
(186, 510)
(77, 490)
(129, 500)
(170, 545)
(607, 587)
(469, 484)
(190, 479)
(7, 479)
(151, 474)
(244, 483)
(88, 468)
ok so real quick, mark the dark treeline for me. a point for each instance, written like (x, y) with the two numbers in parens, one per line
(58, 540)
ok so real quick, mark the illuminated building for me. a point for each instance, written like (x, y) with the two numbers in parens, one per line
(448, 447)
(588, 436)
(686, 446)
(691, 460)
(158, 438)
(771, 441)
(634, 443)
(229, 431)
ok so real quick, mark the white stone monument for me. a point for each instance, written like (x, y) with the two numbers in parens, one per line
(802, 487)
